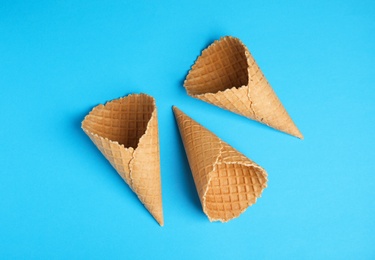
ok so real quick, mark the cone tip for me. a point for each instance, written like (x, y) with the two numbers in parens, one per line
(176, 110)
(297, 133)
(159, 218)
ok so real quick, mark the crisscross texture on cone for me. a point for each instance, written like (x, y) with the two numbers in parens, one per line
(227, 182)
(125, 130)
(226, 75)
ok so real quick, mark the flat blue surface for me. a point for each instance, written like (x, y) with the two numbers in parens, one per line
(60, 198)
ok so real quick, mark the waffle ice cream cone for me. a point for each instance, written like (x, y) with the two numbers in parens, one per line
(226, 75)
(227, 182)
(125, 130)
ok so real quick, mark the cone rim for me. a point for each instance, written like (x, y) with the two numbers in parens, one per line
(131, 149)
(153, 116)
(249, 87)
(246, 164)
(223, 38)
(220, 160)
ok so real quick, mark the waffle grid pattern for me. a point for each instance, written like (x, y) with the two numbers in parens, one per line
(235, 100)
(233, 187)
(126, 132)
(267, 106)
(119, 158)
(205, 149)
(124, 120)
(146, 170)
(220, 66)
(227, 182)
(254, 99)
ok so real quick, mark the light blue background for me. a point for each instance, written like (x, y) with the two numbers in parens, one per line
(60, 198)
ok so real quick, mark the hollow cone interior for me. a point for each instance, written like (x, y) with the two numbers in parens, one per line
(227, 182)
(226, 75)
(125, 130)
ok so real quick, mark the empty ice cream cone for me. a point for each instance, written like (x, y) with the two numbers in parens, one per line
(227, 182)
(226, 75)
(125, 130)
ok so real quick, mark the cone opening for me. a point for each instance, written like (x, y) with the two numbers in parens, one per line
(232, 188)
(123, 120)
(223, 65)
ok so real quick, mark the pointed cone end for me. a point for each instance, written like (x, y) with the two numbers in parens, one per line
(155, 208)
(296, 133)
(176, 111)
(158, 216)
